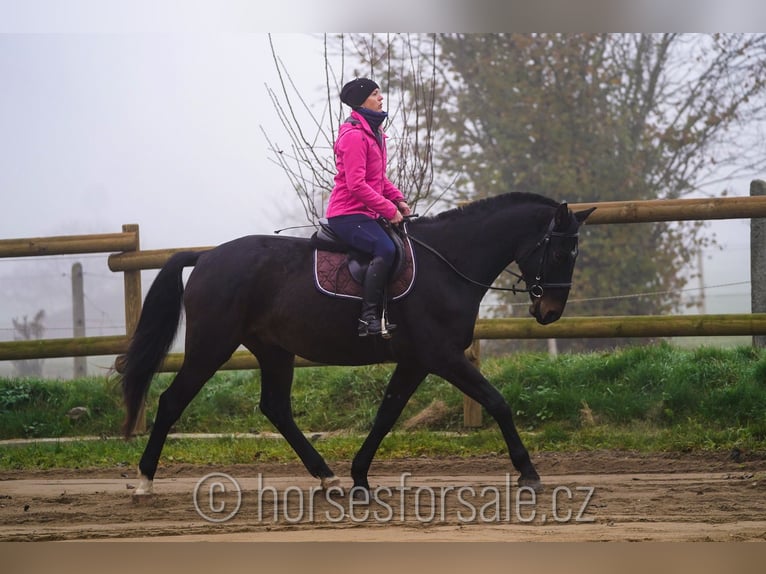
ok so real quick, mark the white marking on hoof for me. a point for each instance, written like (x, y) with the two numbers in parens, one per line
(329, 481)
(145, 486)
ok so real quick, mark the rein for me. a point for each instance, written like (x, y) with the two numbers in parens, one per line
(537, 289)
(513, 289)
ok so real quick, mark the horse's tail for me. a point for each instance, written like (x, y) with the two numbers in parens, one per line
(154, 334)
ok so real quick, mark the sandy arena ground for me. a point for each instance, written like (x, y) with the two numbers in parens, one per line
(594, 496)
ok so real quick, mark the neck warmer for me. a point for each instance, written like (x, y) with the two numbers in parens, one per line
(373, 118)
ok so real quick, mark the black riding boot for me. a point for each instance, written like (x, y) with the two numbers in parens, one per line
(372, 295)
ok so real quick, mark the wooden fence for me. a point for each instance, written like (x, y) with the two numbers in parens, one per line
(127, 258)
(125, 242)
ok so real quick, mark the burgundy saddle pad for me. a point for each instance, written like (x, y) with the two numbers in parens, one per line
(332, 276)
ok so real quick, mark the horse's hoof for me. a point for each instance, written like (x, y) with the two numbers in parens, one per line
(143, 499)
(145, 487)
(361, 494)
(327, 482)
(534, 483)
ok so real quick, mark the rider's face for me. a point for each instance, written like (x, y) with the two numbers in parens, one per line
(374, 101)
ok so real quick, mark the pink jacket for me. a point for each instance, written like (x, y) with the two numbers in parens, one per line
(361, 185)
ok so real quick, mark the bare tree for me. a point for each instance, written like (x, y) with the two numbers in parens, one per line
(404, 66)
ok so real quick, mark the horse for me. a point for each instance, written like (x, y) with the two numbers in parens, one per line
(258, 291)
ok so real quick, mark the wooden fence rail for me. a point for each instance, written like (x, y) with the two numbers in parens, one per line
(55, 348)
(69, 244)
(486, 329)
(675, 209)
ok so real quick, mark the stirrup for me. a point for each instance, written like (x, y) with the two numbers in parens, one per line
(365, 328)
(385, 327)
(375, 327)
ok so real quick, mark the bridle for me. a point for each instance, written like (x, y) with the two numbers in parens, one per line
(538, 287)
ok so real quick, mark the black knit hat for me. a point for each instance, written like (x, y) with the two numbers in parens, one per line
(355, 92)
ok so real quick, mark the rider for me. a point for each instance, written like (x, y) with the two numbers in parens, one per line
(362, 194)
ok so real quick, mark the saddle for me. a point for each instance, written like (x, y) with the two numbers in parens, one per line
(339, 269)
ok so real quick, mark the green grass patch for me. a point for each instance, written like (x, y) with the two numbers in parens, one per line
(483, 442)
(659, 397)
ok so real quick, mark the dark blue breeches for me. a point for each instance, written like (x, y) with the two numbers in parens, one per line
(366, 235)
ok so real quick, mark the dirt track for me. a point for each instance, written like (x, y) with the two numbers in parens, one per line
(588, 497)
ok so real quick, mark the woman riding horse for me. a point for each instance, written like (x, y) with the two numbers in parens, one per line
(363, 193)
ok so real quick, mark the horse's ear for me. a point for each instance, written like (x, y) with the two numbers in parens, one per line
(583, 215)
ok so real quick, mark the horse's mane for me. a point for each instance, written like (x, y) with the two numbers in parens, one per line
(490, 205)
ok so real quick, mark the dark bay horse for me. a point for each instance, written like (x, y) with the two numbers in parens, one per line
(258, 291)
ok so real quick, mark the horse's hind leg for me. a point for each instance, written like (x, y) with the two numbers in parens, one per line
(277, 367)
(199, 365)
(403, 383)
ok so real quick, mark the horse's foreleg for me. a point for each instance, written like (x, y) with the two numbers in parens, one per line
(403, 383)
(463, 375)
(277, 366)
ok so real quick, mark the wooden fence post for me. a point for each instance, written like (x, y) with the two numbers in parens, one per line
(472, 409)
(133, 301)
(758, 261)
(132, 282)
(78, 317)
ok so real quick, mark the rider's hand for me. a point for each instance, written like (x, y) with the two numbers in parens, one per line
(404, 209)
(397, 218)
